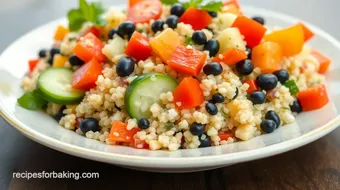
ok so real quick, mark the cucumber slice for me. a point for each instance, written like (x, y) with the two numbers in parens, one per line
(55, 84)
(145, 91)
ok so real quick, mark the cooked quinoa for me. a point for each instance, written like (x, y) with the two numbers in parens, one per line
(169, 126)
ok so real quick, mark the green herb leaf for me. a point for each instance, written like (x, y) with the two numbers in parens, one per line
(293, 88)
(169, 125)
(32, 101)
(85, 13)
(224, 115)
(188, 40)
(213, 6)
(169, 2)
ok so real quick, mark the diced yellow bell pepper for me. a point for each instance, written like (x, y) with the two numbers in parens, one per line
(59, 60)
(60, 33)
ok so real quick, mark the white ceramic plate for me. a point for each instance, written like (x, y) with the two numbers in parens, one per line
(41, 128)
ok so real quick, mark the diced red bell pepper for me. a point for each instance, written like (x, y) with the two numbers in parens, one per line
(252, 31)
(231, 56)
(32, 63)
(139, 144)
(188, 94)
(94, 30)
(252, 86)
(232, 6)
(225, 136)
(197, 18)
(308, 34)
(188, 61)
(119, 132)
(89, 47)
(138, 47)
(323, 60)
(86, 76)
(313, 98)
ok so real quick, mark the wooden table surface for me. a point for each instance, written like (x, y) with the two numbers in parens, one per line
(314, 166)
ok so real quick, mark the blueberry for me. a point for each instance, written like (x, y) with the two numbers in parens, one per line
(211, 108)
(267, 81)
(89, 124)
(204, 141)
(268, 126)
(42, 53)
(126, 28)
(197, 129)
(282, 75)
(199, 37)
(143, 123)
(212, 14)
(74, 60)
(272, 115)
(60, 114)
(112, 33)
(257, 97)
(217, 98)
(157, 26)
(54, 51)
(172, 21)
(177, 9)
(236, 94)
(125, 66)
(213, 68)
(213, 46)
(259, 19)
(245, 67)
(249, 50)
(296, 106)
(50, 61)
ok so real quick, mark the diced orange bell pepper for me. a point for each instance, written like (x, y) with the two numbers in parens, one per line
(165, 44)
(197, 18)
(119, 132)
(138, 47)
(230, 57)
(61, 33)
(59, 60)
(267, 56)
(188, 94)
(252, 86)
(225, 136)
(290, 39)
(313, 98)
(32, 63)
(86, 76)
(89, 47)
(307, 33)
(252, 31)
(188, 61)
(323, 60)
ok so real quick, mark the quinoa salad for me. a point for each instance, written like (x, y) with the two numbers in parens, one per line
(169, 74)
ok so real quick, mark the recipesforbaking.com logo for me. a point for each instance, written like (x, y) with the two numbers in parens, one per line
(55, 175)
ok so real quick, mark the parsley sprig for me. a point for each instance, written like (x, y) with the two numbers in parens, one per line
(87, 12)
(208, 5)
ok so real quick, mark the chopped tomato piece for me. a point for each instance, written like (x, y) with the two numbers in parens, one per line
(133, 2)
(252, 31)
(307, 33)
(225, 136)
(138, 47)
(60, 33)
(89, 47)
(232, 6)
(313, 98)
(165, 44)
(144, 11)
(59, 60)
(188, 61)
(188, 94)
(119, 132)
(94, 30)
(32, 63)
(290, 39)
(86, 76)
(252, 86)
(267, 56)
(197, 18)
(140, 144)
(231, 56)
(323, 60)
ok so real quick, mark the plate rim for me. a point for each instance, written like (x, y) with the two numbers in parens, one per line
(178, 162)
